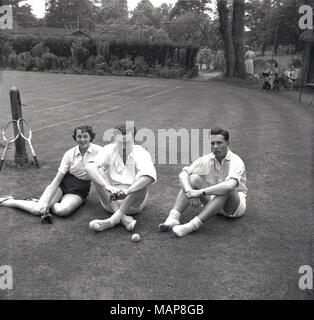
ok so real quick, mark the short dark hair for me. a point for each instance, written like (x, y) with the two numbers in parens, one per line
(88, 129)
(125, 130)
(218, 130)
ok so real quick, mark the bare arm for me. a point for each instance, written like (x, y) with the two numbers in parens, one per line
(94, 174)
(141, 183)
(221, 188)
(218, 189)
(184, 178)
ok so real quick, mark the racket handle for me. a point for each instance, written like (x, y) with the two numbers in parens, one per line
(36, 161)
(1, 163)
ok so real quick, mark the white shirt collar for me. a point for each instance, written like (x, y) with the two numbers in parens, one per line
(77, 150)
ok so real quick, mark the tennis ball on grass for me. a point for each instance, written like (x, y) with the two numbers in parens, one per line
(135, 237)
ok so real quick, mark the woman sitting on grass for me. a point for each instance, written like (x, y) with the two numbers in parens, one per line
(70, 187)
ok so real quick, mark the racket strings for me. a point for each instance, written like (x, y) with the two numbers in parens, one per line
(24, 129)
(10, 132)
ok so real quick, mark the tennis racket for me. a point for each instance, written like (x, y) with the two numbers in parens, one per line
(10, 133)
(26, 133)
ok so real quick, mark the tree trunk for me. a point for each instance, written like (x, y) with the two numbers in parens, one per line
(238, 37)
(225, 30)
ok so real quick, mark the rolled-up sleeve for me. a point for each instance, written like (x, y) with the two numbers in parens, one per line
(236, 171)
(144, 165)
(65, 163)
(199, 166)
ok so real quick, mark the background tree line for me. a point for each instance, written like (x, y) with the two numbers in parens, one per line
(263, 24)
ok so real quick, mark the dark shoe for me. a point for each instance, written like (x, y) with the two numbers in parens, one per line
(46, 218)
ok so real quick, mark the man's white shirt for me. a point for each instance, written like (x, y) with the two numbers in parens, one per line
(231, 167)
(138, 163)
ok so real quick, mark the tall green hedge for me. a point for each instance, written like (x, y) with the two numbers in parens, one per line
(152, 53)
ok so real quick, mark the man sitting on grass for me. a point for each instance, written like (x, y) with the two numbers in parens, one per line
(216, 182)
(121, 173)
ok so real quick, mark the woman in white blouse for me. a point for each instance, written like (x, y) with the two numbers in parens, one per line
(71, 185)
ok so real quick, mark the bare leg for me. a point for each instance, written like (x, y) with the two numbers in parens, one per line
(29, 206)
(229, 202)
(133, 200)
(69, 203)
(120, 209)
(181, 203)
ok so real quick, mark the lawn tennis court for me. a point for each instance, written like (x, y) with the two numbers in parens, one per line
(254, 257)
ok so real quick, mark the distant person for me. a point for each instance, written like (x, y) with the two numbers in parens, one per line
(290, 77)
(215, 182)
(271, 76)
(71, 185)
(249, 62)
(122, 173)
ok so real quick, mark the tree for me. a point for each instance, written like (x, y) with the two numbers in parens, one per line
(273, 22)
(225, 30)
(66, 13)
(22, 13)
(190, 23)
(258, 20)
(232, 31)
(238, 37)
(113, 10)
(145, 14)
(183, 6)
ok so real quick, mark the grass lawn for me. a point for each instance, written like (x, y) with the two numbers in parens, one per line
(255, 257)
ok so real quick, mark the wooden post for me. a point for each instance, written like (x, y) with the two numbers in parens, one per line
(16, 110)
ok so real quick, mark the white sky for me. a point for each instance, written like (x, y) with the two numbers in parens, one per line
(38, 6)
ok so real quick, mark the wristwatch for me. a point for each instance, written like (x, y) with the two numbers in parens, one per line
(203, 193)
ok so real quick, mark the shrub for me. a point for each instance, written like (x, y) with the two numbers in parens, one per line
(5, 51)
(13, 60)
(24, 43)
(40, 49)
(140, 65)
(51, 61)
(103, 50)
(91, 63)
(40, 64)
(167, 72)
(126, 63)
(129, 73)
(26, 61)
(60, 47)
(79, 54)
(64, 62)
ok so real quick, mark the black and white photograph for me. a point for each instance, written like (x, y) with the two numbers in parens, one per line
(158, 151)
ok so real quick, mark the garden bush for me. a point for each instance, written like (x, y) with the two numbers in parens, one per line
(79, 54)
(26, 61)
(40, 49)
(13, 60)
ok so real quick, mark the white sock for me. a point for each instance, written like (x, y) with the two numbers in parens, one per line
(128, 222)
(184, 229)
(101, 225)
(172, 220)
